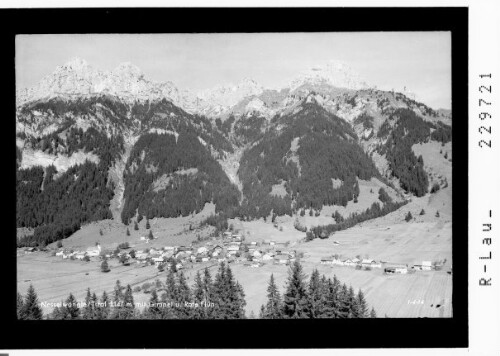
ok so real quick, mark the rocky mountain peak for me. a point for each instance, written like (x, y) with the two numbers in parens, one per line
(334, 73)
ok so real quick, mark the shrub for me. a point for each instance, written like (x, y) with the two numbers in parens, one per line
(408, 217)
(437, 214)
(123, 245)
(104, 266)
(137, 289)
(59, 244)
(86, 259)
(435, 188)
(422, 212)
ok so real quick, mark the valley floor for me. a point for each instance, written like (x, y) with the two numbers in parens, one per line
(390, 238)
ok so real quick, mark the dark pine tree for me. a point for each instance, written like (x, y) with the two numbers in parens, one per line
(31, 309)
(103, 309)
(274, 306)
(362, 305)
(183, 296)
(315, 295)
(128, 303)
(71, 310)
(20, 304)
(199, 297)
(153, 311)
(295, 301)
(88, 311)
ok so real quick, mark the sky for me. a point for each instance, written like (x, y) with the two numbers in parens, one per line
(421, 61)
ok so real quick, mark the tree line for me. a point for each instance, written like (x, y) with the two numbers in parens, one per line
(220, 297)
(320, 298)
(372, 212)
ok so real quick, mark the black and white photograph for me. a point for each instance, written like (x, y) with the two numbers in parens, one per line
(298, 175)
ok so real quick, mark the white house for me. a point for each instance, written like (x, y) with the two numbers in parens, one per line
(257, 253)
(205, 259)
(281, 259)
(349, 262)
(158, 261)
(396, 269)
(179, 266)
(426, 265)
(94, 251)
(143, 238)
(267, 257)
(202, 250)
(80, 256)
(233, 248)
(60, 253)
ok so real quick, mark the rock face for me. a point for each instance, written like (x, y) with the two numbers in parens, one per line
(127, 82)
(78, 79)
(334, 73)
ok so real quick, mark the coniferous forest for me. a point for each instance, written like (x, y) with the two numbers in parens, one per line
(327, 149)
(408, 130)
(173, 168)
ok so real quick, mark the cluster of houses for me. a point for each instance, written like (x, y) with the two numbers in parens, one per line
(369, 264)
(365, 263)
(79, 255)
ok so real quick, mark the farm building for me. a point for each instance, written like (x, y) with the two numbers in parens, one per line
(327, 261)
(425, 266)
(202, 250)
(143, 238)
(257, 253)
(80, 256)
(217, 248)
(267, 257)
(227, 234)
(60, 253)
(281, 259)
(396, 269)
(158, 261)
(349, 262)
(367, 263)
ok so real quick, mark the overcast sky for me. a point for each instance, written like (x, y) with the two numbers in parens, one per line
(419, 60)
